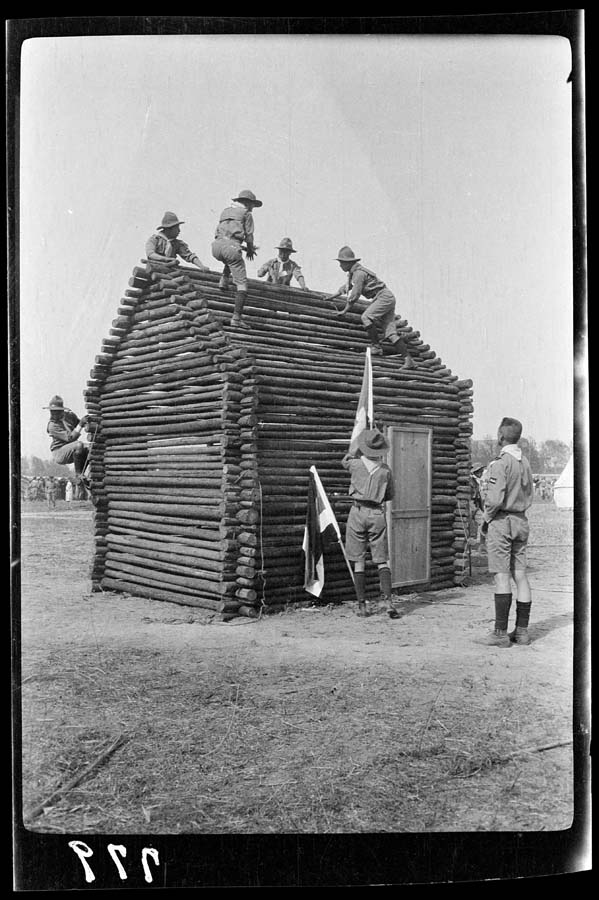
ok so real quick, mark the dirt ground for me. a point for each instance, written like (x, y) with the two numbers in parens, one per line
(311, 720)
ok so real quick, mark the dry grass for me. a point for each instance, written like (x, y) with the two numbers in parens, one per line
(219, 751)
(251, 742)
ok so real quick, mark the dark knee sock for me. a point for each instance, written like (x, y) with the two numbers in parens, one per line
(522, 614)
(385, 580)
(360, 582)
(239, 303)
(503, 603)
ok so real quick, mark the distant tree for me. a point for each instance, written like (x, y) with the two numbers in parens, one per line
(36, 466)
(549, 457)
(554, 456)
(483, 451)
(529, 449)
(33, 465)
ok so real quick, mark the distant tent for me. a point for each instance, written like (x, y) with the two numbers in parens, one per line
(563, 489)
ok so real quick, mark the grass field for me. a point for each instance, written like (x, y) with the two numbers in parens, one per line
(308, 721)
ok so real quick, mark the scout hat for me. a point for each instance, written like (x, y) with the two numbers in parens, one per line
(286, 244)
(346, 254)
(55, 403)
(248, 195)
(169, 219)
(372, 443)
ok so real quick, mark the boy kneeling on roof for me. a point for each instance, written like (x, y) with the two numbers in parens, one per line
(282, 268)
(379, 317)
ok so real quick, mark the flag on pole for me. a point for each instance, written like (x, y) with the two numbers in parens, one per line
(365, 412)
(321, 525)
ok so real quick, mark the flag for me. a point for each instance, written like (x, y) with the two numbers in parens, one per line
(321, 525)
(365, 412)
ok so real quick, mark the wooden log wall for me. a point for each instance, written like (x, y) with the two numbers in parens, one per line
(205, 435)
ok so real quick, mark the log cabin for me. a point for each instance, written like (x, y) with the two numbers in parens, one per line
(202, 437)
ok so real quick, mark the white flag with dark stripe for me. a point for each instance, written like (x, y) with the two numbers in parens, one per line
(321, 527)
(365, 412)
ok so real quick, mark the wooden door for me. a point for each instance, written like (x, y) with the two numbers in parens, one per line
(409, 513)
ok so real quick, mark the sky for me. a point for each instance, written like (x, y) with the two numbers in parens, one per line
(443, 161)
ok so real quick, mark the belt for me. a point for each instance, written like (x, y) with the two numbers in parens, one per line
(369, 504)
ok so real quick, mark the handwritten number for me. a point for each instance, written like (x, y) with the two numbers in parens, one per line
(83, 852)
(113, 849)
(148, 851)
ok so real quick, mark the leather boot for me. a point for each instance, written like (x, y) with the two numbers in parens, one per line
(224, 283)
(360, 586)
(520, 633)
(373, 338)
(399, 347)
(386, 590)
(237, 321)
(499, 636)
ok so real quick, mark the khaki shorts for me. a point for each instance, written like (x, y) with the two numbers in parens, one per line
(381, 313)
(229, 253)
(365, 527)
(506, 543)
(66, 454)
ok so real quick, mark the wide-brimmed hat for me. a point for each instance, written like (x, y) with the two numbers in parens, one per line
(55, 403)
(346, 254)
(248, 195)
(169, 219)
(372, 443)
(286, 244)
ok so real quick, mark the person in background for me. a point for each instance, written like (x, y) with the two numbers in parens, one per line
(68, 491)
(50, 489)
(282, 268)
(379, 317)
(234, 232)
(370, 487)
(165, 246)
(509, 495)
(64, 429)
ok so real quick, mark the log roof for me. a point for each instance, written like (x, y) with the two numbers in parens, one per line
(287, 318)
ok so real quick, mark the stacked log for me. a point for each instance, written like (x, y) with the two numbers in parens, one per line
(205, 435)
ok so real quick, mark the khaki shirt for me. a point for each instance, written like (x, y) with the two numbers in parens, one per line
(280, 272)
(172, 248)
(362, 282)
(375, 486)
(236, 223)
(510, 487)
(61, 432)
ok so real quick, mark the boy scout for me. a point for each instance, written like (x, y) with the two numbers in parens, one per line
(64, 429)
(165, 246)
(509, 495)
(282, 269)
(379, 317)
(370, 487)
(236, 226)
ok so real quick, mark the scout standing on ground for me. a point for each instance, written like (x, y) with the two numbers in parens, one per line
(370, 488)
(509, 495)
(50, 486)
(282, 269)
(165, 246)
(236, 226)
(379, 317)
(64, 428)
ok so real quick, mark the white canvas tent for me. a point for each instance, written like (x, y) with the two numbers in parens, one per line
(563, 489)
